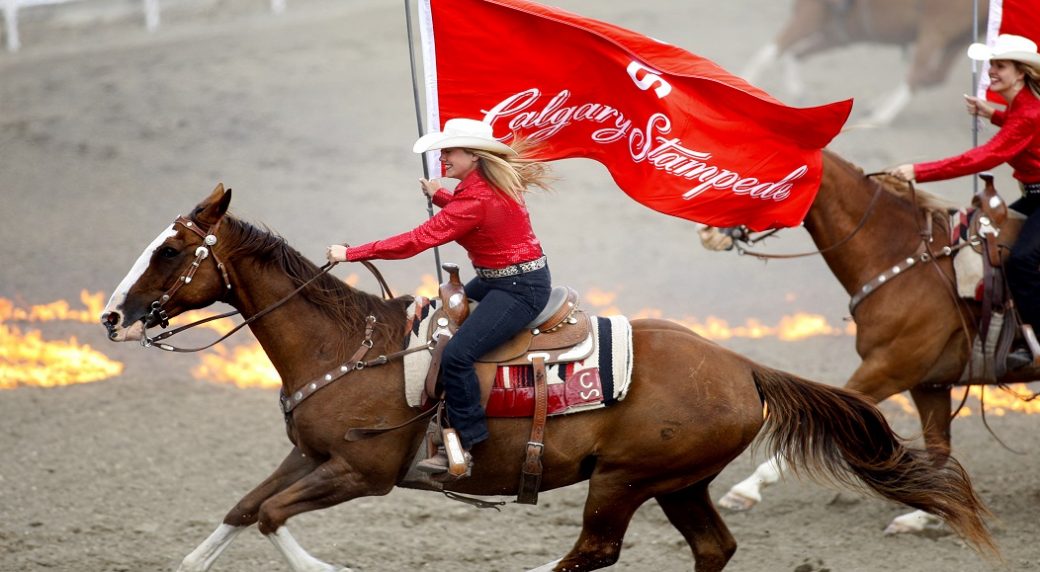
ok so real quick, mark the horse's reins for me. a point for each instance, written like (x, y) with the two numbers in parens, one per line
(924, 254)
(209, 239)
(950, 281)
(289, 403)
(862, 222)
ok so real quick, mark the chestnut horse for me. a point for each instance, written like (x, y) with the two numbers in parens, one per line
(938, 30)
(692, 408)
(911, 332)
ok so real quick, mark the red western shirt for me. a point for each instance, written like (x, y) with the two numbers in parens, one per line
(1017, 144)
(494, 229)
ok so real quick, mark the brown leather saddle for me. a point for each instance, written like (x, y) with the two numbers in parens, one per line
(994, 232)
(560, 333)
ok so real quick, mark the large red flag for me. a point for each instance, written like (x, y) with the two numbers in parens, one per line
(677, 133)
(1018, 17)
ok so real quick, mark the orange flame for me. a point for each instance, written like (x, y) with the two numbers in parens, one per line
(429, 287)
(796, 327)
(26, 359)
(997, 401)
(248, 365)
(243, 366)
(58, 310)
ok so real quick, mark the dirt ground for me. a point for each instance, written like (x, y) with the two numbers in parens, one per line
(107, 132)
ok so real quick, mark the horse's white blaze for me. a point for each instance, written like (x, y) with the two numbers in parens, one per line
(131, 278)
(207, 553)
(748, 493)
(915, 521)
(548, 567)
(298, 558)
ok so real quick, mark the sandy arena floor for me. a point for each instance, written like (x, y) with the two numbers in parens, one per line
(107, 132)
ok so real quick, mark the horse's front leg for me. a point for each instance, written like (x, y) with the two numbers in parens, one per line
(934, 409)
(295, 466)
(884, 375)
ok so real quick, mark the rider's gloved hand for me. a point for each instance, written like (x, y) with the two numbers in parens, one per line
(336, 253)
(715, 238)
(903, 172)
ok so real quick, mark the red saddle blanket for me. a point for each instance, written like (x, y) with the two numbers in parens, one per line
(597, 381)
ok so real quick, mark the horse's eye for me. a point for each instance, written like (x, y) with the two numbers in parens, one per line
(168, 252)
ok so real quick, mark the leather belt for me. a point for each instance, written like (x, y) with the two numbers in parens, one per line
(514, 270)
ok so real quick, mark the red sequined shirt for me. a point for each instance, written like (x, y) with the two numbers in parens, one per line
(494, 229)
(1017, 144)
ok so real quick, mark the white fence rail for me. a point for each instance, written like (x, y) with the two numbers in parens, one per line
(9, 10)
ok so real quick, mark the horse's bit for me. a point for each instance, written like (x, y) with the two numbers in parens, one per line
(922, 255)
(209, 239)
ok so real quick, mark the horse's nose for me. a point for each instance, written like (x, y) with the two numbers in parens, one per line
(110, 320)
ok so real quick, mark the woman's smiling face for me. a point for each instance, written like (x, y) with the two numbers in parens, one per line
(458, 162)
(1004, 76)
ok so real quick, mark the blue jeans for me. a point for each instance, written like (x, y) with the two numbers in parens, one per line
(506, 306)
(1023, 265)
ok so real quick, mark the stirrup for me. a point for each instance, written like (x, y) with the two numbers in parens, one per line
(439, 464)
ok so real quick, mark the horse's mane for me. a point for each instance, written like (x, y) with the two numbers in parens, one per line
(931, 203)
(347, 306)
(925, 199)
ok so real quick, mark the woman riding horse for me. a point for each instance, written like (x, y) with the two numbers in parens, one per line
(487, 216)
(1014, 74)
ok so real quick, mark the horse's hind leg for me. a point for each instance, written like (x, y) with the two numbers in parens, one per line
(611, 502)
(690, 510)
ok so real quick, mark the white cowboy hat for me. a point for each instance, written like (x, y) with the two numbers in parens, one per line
(1007, 47)
(465, 133)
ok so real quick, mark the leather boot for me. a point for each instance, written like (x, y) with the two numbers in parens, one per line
(1018, 359)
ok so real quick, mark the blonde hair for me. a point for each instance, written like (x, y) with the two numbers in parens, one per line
(1032, 77)
(514, 176)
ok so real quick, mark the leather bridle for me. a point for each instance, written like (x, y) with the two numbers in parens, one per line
(158, 315)
(209, 238)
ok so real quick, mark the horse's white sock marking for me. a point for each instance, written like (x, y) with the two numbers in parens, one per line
(915, 521)
(748, 493)
(793, 76)
(207, 553)
(298, 558)
(891, 105)
(765, 56)
(548, 567)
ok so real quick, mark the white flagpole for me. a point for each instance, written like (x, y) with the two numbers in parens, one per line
(419, 125)
(975, 89)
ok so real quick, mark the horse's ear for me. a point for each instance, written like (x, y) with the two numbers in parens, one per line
(209, 211)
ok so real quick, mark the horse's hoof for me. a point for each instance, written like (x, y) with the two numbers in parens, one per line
(736, 502)
(917, 522)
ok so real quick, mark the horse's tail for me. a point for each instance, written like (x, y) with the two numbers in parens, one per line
(836, 435)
